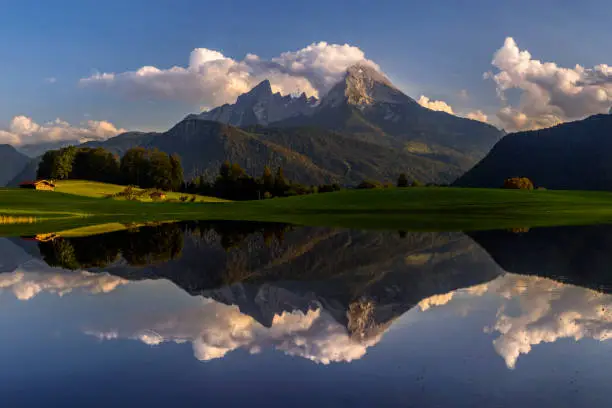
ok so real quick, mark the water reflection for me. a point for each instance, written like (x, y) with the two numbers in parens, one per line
(326, 295)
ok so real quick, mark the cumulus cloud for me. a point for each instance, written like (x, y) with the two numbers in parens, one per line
(550, 94)
(445, 107)
(211, 78)
(435, 105)
(23, 130)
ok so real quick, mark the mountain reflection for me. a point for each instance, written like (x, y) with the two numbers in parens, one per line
(323, 294)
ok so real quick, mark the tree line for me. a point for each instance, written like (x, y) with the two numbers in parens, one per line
(145, 168)
(154, 169)
(233, 183)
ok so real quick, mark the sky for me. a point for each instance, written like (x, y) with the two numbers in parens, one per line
(89, 70)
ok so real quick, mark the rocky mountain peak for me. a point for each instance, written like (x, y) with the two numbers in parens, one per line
(259, 106)
(261, 91)
(364, 85)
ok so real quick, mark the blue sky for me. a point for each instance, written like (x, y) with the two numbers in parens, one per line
(436, 48)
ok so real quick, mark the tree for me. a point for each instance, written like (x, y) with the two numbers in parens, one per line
(95, 164)
(267, 179)
(62, 165)
(159, 173)
(133, 166)
(45, 168)
(177, 172)
(280, 182)
(236, 172)
(402, 180)
(416, 183)
(225, 170)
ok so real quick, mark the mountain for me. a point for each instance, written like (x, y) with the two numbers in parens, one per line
(11, 163)
(259, 106)
(364, 128)
(569, 156)
(366, 105)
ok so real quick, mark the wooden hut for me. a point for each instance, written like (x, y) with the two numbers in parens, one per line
(44, 185)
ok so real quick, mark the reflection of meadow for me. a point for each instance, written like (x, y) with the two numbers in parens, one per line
(11, 219)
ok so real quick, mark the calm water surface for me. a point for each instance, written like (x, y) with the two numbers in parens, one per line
(232, 314)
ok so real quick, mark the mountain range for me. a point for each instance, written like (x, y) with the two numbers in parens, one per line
(363, 128)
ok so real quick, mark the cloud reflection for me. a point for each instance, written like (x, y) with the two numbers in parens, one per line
(215, 329)
(535, 310)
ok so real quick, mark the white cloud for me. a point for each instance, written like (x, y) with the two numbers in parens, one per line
(51, 80)
(435, 105)
(442, 106)
(477, 115)
(23, 130)
(550, 94)
(212, 79)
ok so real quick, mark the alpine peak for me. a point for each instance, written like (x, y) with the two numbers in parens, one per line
(364, 85)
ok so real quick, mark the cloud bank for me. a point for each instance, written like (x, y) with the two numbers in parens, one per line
(23, 131)
(212, 79)
(549, 94)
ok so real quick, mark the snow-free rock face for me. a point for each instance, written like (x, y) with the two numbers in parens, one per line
(260, 106)
(363, 85)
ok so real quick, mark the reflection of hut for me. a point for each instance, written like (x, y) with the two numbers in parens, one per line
(158, 195)
(41, 237)
(38, 185)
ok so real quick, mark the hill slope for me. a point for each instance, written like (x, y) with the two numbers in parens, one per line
(11, 163)
(572, 156)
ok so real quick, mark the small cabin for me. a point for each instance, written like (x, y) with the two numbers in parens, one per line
(158, 195)
(45, 185)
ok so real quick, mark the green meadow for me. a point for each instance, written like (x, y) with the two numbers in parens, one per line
(89, 207)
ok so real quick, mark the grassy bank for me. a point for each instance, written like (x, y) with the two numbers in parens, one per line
(409, 209)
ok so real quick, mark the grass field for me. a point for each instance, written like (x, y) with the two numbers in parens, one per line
(426, 208)
(104, 190)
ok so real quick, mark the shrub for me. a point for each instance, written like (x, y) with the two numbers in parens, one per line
(518, 183)
(367, 184)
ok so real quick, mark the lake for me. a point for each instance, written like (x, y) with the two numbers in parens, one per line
(236, 314)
